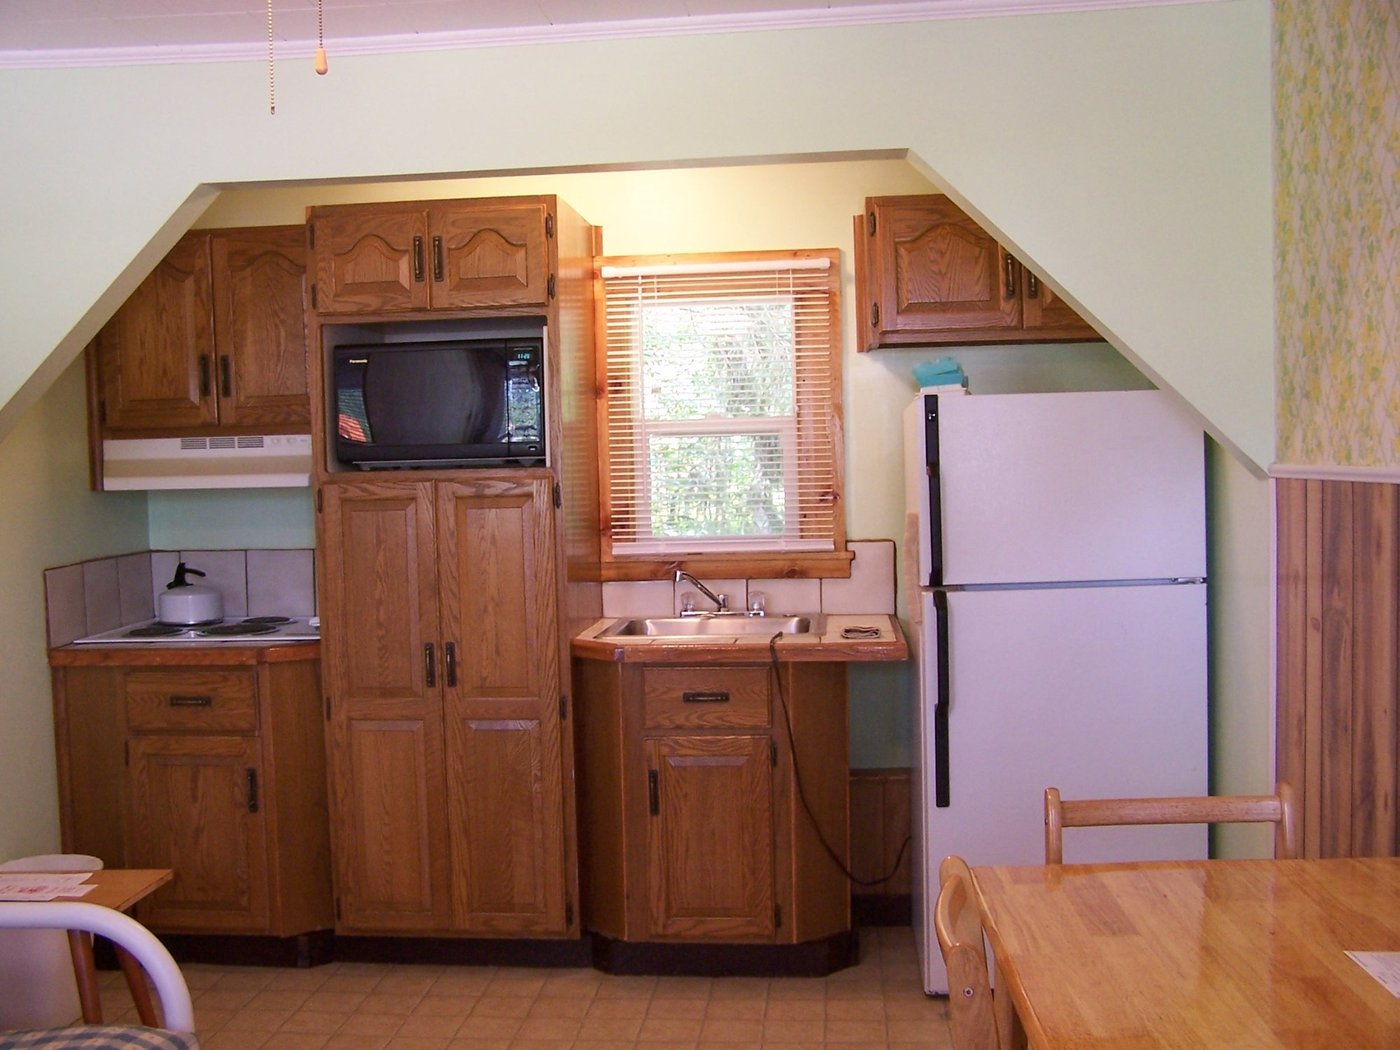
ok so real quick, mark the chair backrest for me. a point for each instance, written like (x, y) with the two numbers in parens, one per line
(958, 924)
(153, 956)
(1277, 809)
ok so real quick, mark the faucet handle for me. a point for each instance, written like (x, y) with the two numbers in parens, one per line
(758, 603)
(687, 603)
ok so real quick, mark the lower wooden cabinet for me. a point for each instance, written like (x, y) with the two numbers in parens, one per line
(214, 767)
(691, 823)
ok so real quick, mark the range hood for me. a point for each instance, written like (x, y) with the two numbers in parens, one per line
(250, 461)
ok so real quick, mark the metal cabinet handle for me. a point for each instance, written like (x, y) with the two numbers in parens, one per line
(417, 258)
(203, 375)
(1010, 275)
(190, 701)
(717, 696)
(1032, 286)
(225, 376)
(437, 259)
(449, 657)
(429, 664)
(653, 792)
(252, 790)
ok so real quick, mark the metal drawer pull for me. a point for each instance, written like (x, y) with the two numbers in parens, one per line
(429, 664)
(191, 701)
(717, 696)
(449, 656)
(252, 790)
(653, 793)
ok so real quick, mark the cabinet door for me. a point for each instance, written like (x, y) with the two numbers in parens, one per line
(1047, 314)
(935, 275)
(260, 326)
(489, 255)
(379, 628)
(370, 259)
(710, 837)
(505, 783)
(156, 353)
(196, 808)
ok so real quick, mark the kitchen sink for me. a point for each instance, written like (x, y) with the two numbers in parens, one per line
(711, 625)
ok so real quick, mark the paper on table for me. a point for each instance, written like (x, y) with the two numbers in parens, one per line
(1383, 966)
(42, 886)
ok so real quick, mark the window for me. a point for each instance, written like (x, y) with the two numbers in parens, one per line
(721, 429)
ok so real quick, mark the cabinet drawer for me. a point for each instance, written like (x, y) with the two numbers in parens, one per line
(701, 697)
(188, 699)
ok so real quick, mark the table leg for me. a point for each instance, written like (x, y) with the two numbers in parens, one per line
(85, 973)
(140, 990)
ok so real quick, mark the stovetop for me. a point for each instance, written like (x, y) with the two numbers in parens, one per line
(255, 630)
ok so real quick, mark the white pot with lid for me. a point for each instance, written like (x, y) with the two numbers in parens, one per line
(187, 604)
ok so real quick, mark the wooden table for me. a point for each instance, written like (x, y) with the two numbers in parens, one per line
(117, 888)
(1196, 954)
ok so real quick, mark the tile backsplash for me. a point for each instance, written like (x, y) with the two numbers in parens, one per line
(870, 589)
(106, 593)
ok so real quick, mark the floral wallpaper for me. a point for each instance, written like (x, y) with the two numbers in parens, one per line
(1337, 231)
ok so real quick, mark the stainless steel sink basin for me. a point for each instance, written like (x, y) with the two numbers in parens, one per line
(711, 625)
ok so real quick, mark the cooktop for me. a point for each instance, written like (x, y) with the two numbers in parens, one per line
(258, 630)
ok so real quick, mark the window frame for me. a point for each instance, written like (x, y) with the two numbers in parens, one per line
(737, 559)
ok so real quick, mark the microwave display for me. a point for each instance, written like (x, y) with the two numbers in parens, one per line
(454, 402)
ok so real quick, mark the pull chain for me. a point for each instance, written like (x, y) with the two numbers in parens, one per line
(271, 72)
(321, 65)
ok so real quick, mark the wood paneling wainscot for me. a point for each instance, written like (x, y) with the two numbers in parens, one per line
(1338, 611)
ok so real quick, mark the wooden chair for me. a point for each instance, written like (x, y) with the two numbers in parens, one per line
(1277, 809)
(958, 925)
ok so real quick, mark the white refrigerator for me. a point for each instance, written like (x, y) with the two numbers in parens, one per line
(1059, 625)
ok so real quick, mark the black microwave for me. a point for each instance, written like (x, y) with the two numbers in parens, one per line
(453, 402)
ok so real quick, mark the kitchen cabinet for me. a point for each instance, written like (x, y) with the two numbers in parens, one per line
(210, 762)
(928, 275)
(420, 255)
(213, 339)
(448, 756)
(692, 825)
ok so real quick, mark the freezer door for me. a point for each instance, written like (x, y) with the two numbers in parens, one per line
(1078, 486)
(1099, 691)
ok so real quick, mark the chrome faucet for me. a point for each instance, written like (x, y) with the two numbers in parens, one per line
(721, 600)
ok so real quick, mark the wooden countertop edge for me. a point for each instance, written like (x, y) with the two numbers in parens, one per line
(218, 654)
(842, 651)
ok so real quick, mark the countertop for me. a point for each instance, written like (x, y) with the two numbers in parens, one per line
(890, 645)
(216, 654)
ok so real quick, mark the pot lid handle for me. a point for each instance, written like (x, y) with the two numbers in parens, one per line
(180, 573)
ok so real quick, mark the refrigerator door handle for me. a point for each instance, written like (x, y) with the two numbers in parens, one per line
(941, 775)
(934, 521)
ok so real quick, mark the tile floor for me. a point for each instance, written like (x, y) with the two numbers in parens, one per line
(359, 1006)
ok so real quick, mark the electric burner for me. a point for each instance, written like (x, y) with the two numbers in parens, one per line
(155, 630)
(268, 619)
(241, 628)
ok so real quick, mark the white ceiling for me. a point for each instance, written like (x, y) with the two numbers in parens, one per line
(111, 32)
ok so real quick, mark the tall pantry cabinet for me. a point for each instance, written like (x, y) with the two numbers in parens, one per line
(447, 597)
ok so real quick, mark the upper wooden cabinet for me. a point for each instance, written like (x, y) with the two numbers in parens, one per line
(928, 275)
(214, 337)
(418, 255)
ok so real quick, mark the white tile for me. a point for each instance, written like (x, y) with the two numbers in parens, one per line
(788, 596)
(63, 598)
(870, 588)
(102, 603)
(281, 583)
(638, 598)
(134, 581)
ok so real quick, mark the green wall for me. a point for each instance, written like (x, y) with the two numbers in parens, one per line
(1124, 154)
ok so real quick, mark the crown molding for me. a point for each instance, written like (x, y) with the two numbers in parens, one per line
(921, 11)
